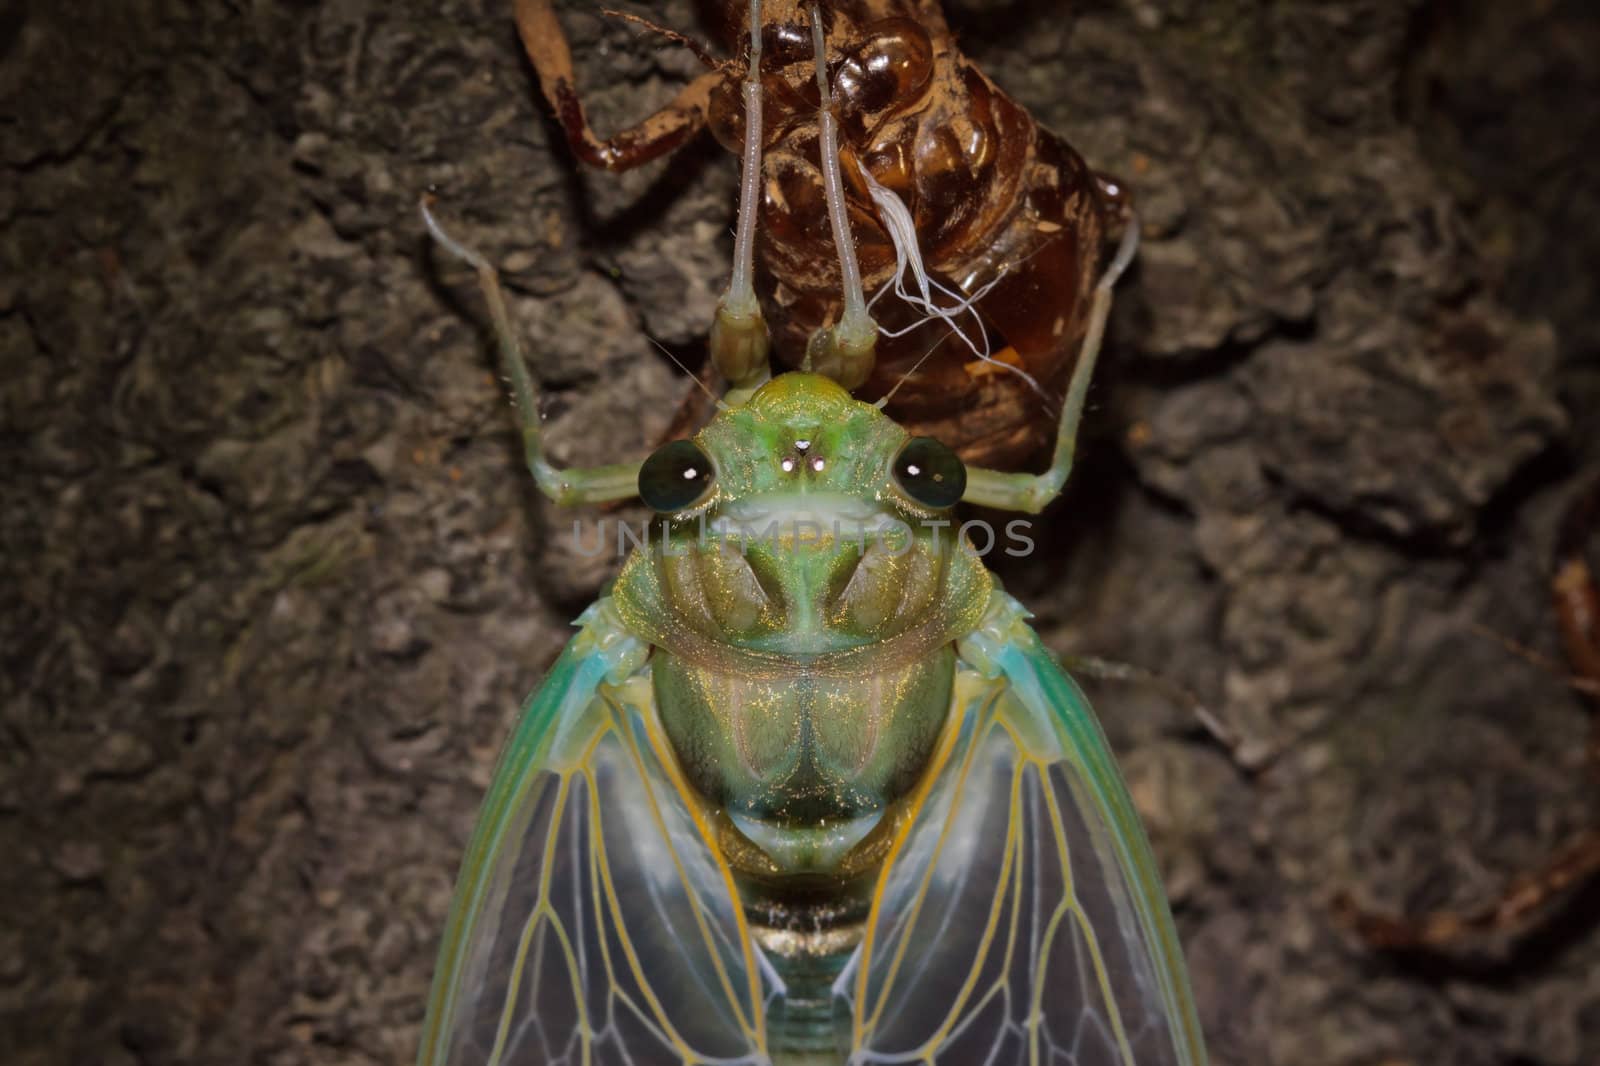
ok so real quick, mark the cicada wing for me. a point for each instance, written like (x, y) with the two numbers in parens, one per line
(1020, 918)
(593, 922)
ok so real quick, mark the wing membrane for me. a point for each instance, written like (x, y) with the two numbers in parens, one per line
(593, 922)
(1020, 919)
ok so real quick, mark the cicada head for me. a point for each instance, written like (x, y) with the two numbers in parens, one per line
(806, 523)
(803, 598)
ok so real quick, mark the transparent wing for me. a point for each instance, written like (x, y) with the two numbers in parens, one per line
(593, 923)
(1021, 918)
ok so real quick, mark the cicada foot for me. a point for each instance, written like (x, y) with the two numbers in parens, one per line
(1531, 900)
(660, 133)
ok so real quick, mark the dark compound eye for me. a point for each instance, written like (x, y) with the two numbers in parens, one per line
(677, 475)
(930, 473)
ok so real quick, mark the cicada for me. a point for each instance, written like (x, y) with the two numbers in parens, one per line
(805, 787)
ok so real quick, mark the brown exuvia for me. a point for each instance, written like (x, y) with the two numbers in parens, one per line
(997, 201)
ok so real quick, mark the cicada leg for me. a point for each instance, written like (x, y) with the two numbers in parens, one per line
(598, 484)
(657, 135)
(1031, 493)
(1528, 900)
(847, 350)
(739, 338)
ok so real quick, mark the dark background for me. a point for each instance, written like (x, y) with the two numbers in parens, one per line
(273, 580)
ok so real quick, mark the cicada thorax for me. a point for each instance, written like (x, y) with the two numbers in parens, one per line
(803, 636)
(997, 200)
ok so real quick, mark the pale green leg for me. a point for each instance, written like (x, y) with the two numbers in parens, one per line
(595, 484)
(1033, 492)
(846, 351)
(739, 341)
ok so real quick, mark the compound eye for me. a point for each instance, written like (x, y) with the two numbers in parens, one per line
(930, 473)
(676, 476)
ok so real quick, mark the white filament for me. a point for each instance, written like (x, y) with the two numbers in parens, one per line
(927, 292)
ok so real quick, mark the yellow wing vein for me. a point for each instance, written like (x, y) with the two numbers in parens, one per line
(614, 908)
(541, 917)
(1084, 927)
(953, 1017)
(748, 1015)
(902, 834)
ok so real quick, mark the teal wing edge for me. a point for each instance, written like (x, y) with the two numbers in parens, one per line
(601, 651)
(1013, 649)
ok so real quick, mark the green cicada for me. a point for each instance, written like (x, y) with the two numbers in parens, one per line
(805, 788)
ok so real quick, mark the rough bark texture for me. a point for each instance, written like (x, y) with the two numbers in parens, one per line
(274, 580)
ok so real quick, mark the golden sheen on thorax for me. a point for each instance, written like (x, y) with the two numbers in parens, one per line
(804, 614)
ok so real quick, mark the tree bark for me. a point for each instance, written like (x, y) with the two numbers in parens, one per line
(275, 580)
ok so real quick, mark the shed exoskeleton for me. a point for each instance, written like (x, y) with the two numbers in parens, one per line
(1004, 213)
